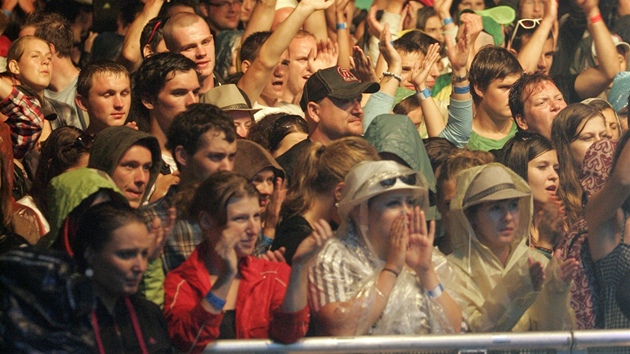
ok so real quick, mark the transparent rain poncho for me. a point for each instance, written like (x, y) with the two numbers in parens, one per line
(346, 271)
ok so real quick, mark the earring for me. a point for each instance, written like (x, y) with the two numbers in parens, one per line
(89, 272)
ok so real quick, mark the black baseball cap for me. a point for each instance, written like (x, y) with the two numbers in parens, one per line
(334, 82)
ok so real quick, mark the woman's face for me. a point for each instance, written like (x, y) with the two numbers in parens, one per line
(496, 222)
(119, 266)
(433, 27)
(590, 130)
(382, 211)
(542, 176)
(243, 217)
(34, 68)
(264, 182)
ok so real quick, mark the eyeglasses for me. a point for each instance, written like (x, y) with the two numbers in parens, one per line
(526, 23)
(223, 4)
(409, 180)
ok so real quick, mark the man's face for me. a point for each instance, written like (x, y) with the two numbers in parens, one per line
(302, 51)
(531, 8)
(277, 82)
(196, 43)
(246, 10)
(541, 108)
(132, 173)
(223, 14)
(178, 93)
(340, 118)
(495, 99)
(108, 100)
(213, 154)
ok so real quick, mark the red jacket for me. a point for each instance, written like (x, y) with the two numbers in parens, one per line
(260, 294)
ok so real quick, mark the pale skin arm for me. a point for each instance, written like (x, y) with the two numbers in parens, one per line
(313, 25)
(389, 60)
(257, 75)
(593, 81)
(261, 18)
(295, 298)
(430, 111)
(130, 55)
(224, 250)
(343, 35)
(160, 232)
(602, 212)
(530, 52)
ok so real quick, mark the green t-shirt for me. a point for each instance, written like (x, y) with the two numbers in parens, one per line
(478, 142)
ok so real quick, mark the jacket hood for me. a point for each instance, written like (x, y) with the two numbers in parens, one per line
(251, 158)
(462, 233)
(396, 134)
(68, 190)
(110, 145)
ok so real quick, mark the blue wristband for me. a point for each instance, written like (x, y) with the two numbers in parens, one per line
(342, 26)
(215, 301)
(461, 90)
(447, 21)
(7, 12)
(435, 293)
(424, 94)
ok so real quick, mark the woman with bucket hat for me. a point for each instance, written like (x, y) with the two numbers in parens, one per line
(501, 283)
(380, 274)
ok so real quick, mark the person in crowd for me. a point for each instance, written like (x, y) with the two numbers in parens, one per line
(317, 189)
(9, 239)
(66, 148)
(535, 101)
(379, 276)
(492, 73)
(446, 181)
(131, 158)
(203, 141)
(261, 169)
(613, 123)
(302, 53)
(534, 159)
(188, 34)
(221, 291)
(606, 215)
(573, 131)
(113, 247)
(278, 132)
(221, 15)
(498, 282)
(56, 31)
(165, 85)
(233, 101)
(104, 93)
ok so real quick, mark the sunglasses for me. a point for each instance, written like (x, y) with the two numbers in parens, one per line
(409, 180)
(526, 23)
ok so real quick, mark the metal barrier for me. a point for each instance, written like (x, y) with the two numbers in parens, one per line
(608, 341)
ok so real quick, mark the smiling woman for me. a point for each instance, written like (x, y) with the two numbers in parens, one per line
(221, 291)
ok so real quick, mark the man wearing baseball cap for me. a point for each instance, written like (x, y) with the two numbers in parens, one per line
(331, 102)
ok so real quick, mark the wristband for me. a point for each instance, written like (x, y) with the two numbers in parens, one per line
(435, 293)
(461, 90)
(7, 12)
(391, 271)
(215, 301)
(341, 26)
(447, 21)
(596, 18)
(424, 94)
(391, 74)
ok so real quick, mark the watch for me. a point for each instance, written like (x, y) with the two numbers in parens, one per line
(457, 79)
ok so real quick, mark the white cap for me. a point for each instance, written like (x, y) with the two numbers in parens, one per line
(618, 43)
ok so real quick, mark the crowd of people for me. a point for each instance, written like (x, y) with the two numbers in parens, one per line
(235, 169)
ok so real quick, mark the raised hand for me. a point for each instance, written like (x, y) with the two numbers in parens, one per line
(362, 65)
(536, 273)
(275, 256)
(567, 268)
(374, 27)
(420, 244)
(317, 4)
(386, 48)
(421, 70)
(313, 243)
(272, 214)
(398, 240)
(224, 249)
(327, 55)
(160, 232)
(459, 49)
